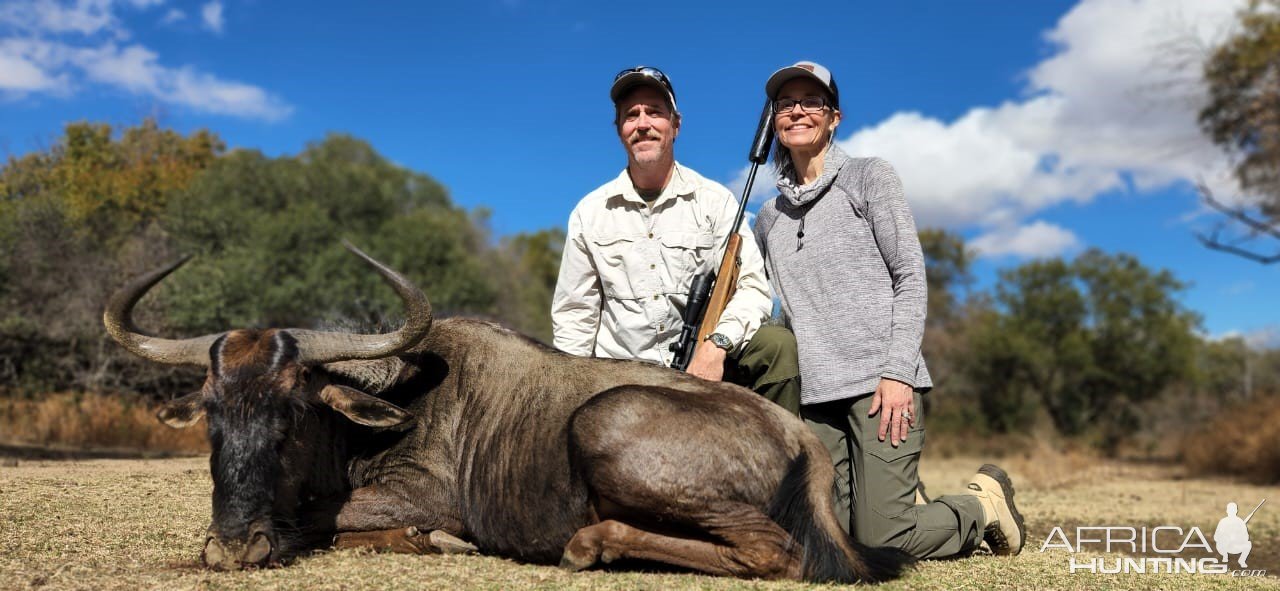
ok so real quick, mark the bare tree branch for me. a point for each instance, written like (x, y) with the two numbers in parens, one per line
(1256, 227)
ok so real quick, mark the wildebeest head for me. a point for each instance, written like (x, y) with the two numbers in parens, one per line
(266, 408)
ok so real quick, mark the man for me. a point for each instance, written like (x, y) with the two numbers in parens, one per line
(635, 243)
(1232, 536)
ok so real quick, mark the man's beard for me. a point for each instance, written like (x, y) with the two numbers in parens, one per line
(650, 156)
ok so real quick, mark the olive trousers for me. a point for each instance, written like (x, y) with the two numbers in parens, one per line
(875, 484)
(768, 364)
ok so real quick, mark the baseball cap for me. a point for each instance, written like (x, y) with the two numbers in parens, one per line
(642, 75)
(803, 69)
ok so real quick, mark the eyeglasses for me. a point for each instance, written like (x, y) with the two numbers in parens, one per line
(651, 72)
(809, 104)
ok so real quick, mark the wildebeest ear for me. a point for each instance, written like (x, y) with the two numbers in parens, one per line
(364, 409)
(183, 411)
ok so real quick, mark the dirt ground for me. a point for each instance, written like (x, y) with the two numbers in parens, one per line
(95, 523)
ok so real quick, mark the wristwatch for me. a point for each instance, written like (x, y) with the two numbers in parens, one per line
(721, 341)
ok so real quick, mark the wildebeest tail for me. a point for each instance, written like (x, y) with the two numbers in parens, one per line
(802, 506)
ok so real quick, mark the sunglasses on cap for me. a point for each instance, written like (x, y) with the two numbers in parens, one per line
(649, 72)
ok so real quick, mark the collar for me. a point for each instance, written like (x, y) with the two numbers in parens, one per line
(681, 184)
(801, 195)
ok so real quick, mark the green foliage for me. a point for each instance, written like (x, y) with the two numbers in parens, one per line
(536, 258)
(947, 261)
(1243, 113)
(995, 362)
(1088, 341)
(269, 234)
(71, 220)
(97, 208)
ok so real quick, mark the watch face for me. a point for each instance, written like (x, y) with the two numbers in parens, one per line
(719, 340)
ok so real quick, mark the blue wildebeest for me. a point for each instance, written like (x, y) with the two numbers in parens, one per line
(461, 434)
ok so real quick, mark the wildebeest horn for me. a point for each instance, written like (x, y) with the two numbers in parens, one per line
(118, 319)
(316, 347)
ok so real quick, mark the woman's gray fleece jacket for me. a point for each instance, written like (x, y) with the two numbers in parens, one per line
(843, 256)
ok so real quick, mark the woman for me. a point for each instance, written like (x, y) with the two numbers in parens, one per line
(842, 252)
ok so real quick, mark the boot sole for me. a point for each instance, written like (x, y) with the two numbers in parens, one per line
(1006, 485)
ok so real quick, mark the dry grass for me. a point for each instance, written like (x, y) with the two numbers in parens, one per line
(1243, 440)
(95, 421)
(137, 524)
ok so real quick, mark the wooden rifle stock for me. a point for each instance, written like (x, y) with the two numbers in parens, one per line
(725, 286)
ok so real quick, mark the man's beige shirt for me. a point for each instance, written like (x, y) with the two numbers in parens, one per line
(627, 266)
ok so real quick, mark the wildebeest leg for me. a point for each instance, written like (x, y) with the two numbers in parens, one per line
(374, 518)
(753, 545)
(407, 540)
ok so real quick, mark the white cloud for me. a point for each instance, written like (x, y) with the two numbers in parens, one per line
(210, 93)
(763, 186)
(1258, 339)
(56, 48)
(19, 72)
(83, 17)
(1035, 240)
(173, 16)
(1267, 337)
(1112, 108)
(135, 68)
(1237, 288)
(132, 68)
(211, 14)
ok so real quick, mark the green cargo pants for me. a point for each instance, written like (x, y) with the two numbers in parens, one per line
(875, 485)
(769, 365)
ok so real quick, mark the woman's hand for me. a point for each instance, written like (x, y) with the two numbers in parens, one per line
(895, 399)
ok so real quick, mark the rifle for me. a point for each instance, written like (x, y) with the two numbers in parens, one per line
(708, 297)
(1255, 510)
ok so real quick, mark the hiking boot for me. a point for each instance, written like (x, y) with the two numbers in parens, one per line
(1004, 530)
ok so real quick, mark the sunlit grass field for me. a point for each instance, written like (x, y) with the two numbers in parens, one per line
(138, 524)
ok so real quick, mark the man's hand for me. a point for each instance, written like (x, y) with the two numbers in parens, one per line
(895, 399)
(707, 362)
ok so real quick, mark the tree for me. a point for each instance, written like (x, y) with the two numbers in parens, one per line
(1141, 339)
(947, 272)
(98, 207)
(947, 262)
(1090, 341)
(534, 258)
(1243, 116)
(72, 220)
(268, 233)
(1043, 343)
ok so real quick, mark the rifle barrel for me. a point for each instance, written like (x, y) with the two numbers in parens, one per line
(1255, 510)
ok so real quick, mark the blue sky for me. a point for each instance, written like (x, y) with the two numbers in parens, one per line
(1032, 128)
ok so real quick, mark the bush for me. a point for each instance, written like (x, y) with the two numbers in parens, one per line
(1240, 441)
(117, 421)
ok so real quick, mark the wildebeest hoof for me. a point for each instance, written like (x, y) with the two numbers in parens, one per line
(449, 544)
(608, 556)
(578, 556)
(573, 563)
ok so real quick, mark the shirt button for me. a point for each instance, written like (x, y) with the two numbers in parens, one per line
(653, 266)
(662, 327)
(655, 297)
(651, 234)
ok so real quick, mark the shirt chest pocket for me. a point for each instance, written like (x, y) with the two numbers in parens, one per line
(617, 260)
(685, 254)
